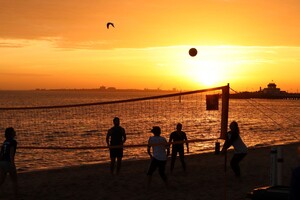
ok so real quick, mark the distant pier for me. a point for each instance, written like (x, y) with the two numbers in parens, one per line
(258, 95)
(271, 92)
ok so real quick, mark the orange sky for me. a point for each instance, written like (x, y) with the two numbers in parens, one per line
(65, 44)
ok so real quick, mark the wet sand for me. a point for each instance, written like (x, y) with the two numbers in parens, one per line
(205, 179)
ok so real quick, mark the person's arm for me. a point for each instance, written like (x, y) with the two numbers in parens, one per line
(148, 148)
(12, 155)
(187, 144)
(187, 147)
(107, 138)
(226, 144)
(170, 140)
(168, 148)
(1, 153)
(229, 141)
(148, 151)
(124, 136)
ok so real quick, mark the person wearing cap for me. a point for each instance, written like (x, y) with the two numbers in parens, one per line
(115, 139)
(178, 137)
(7, 158)
(158, 155)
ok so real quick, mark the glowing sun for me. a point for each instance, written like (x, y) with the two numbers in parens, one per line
(206, 72)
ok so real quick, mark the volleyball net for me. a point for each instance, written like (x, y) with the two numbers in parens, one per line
(84, 126)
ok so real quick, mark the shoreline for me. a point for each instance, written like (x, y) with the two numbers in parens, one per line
(202, 152)
(205, 179)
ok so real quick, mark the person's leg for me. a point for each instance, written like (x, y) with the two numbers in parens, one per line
(112, 164)
(14, 179)
(152, 168)
(181, 156)
(173, 158)
(234, 163)
(149, 180)
(112, 153)
(162, 169)
(119, 162)
(2, 176)
(119, 155)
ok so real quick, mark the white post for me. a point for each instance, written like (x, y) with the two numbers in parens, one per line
(273, 169)
(279, 167)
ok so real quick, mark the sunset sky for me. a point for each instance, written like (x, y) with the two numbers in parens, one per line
(65, 44)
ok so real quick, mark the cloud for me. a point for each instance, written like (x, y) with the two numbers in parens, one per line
(10, 45)
(70, 20)
(82, 24)
(14, 43)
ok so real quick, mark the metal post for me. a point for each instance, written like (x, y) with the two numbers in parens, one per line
(273, 168)
(224, 124)
(279, 166)
(225, 108)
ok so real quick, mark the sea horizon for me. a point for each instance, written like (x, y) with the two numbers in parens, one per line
(174, 89)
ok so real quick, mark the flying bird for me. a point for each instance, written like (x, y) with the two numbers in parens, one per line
(109, 24)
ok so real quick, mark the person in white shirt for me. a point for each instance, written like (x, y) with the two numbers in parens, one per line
(240, 149)
(159, 154)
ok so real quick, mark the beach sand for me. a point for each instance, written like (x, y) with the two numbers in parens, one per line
(205, 179)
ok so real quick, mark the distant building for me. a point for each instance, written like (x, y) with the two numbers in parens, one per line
(111, 89)
(272, 89)
(271, 92)
(102, 88)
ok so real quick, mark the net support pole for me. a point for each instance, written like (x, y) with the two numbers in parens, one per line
(224, 124)
(225, 109)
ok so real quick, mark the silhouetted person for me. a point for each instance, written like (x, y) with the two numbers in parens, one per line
(7, 159)
(240, 149)
(178, 136)
(295, 181)
(115, 139)
(159, 154)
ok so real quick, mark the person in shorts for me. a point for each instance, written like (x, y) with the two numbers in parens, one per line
(7, 159)
(234, 139)
(159, 154)
(178, 137)
(115, 139)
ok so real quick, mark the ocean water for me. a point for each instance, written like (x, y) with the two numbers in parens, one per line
(43, 134)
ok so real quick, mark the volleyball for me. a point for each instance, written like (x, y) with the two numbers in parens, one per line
(193, 52)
